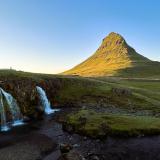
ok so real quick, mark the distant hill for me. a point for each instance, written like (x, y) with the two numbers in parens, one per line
(116, 58)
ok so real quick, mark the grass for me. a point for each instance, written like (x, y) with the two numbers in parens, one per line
(82, 91)
(145, 97)
(100, 125)
(147, 89)
(13, 74)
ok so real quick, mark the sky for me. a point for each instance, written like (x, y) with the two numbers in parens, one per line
(51, 36)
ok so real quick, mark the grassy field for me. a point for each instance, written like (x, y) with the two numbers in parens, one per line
(93, 91)
(10, 74)
(145, 97)
(95, 124)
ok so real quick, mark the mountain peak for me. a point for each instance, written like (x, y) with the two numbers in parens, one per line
(114, 35)
(113, 39)
(113, 55)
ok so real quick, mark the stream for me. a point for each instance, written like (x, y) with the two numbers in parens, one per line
(146, 148)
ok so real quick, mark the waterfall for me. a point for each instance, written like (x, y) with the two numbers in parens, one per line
(13, 108)
(44, 100)
(4, 126)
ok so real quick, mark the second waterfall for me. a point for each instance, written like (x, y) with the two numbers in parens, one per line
(44, 101)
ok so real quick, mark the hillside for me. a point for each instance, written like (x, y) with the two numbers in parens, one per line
(116, 58)
(73, 91)
(131, 105)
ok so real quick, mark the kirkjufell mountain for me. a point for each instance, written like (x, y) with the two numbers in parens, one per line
(116, 58)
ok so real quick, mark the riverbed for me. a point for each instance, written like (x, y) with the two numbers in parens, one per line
(41, 140)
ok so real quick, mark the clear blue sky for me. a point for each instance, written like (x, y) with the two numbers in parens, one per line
(51, 36)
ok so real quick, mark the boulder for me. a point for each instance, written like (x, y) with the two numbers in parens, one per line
(122, 91)
(65, 148)
(72, 155)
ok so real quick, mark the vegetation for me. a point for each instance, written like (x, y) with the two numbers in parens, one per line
(81, 92)
(97, 93)
(11, 74)
(95, 124)
(148, 88)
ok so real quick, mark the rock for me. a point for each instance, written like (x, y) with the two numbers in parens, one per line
(65, 148)
(72, 155)
(84, 138)
(82, 120)
(33, 147)
(67, 127)
(84, 107)
(93, 157)
(122, 91)
(104, 127)
(20, 151)
(76, 145)
(53, 156)
(26, 119)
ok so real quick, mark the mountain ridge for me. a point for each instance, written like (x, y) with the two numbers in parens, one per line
(112, 58)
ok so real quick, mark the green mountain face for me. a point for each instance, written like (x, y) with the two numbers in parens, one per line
(116, 58)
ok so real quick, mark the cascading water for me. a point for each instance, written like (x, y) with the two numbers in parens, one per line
(45, 102)
(12, 108)
(4, 126)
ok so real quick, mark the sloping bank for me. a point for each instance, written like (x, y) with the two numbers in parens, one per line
(100, 125)
(68, 91)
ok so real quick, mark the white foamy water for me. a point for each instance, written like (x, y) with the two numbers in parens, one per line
(45, 102)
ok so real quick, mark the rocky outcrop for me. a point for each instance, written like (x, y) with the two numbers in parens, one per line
(24, 91)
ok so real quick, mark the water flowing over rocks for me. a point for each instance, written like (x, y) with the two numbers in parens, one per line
(9, 104)
(25, 92)
(44, 101)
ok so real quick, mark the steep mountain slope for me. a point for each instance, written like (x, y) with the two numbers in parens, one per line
(116, 58)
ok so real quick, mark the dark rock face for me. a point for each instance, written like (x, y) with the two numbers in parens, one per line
(24, 91)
